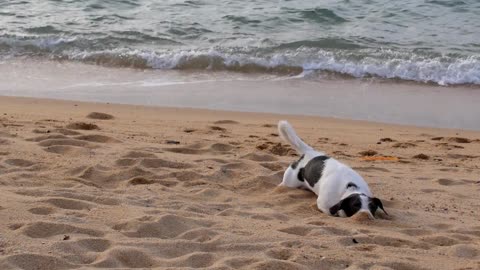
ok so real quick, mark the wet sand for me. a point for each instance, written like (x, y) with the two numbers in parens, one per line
(368, 99)
(167, 188)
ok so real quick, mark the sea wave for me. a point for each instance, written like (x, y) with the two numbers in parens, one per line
(287, 60)
(442, 70)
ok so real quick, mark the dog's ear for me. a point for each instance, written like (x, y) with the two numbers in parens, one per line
(350, 205)
(334, 209)
(377, 202)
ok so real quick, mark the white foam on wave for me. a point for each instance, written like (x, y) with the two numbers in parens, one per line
(442, 70)
(389, 64)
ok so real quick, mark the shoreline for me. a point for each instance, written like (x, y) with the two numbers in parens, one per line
(165, 188)
(386, 102)
(14, 104)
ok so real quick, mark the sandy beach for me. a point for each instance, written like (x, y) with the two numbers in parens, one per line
(164, 188)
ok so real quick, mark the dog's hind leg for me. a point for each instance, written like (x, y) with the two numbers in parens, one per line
(290, 178)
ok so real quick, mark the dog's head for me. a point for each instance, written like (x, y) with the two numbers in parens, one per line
(357, 202)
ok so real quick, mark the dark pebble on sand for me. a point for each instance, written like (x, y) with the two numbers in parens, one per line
(421, 156)
(368, 153)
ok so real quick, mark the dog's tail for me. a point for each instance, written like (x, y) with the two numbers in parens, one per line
(288, 134)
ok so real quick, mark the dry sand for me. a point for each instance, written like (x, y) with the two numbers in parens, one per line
(180, 188)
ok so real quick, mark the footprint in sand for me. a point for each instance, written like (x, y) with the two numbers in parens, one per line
(195, 260)
(277, 264)
(68, 150)
(440, 240)
(167, 226)
(126, 162)
(260, 184)
(185, 151)
(459, 140)
(274, 166)
(19, 162)
(69, 204)
(185, 176)
(47, 137)
(240, 262)
(431, 190)
(221, 147)
(139, 154)
(96, 138)
(235, 166)
(386, 241)
(66, 132)
(100, 176)
(41, 210)
(138, 180)
(277, 149)
(470, 232)
(100, 116)
(4, 142)
(217, 148)
(401, 266)
(48, 229)
(280, 253)
(82, 126)
(416, 232)
(448, 182)
(217, 128)
(83, 251)
(226, 122)
(370, 169)
(189, 130)
(297, 230)
(460, 156)
(335, 231)
(259, 157)
(34, 261)
(63, 142)
(63, 145)
(125, 257)
(404, 145)
(161, 163)
(201, 235)
(465, 251)
(95, 198)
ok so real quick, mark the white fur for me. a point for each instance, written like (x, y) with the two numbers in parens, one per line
(331, 188)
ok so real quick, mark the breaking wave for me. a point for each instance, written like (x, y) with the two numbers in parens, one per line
(426, 67)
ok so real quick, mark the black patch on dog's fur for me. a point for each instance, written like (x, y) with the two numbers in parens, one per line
(350, 184)
(295, 163)
(313, 170)
(350, 205)
(374, 204)
(301, 174)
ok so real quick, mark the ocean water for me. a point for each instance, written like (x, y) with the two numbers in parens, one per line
(427, 41)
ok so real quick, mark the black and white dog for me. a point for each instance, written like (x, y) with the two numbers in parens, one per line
(341, 191)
